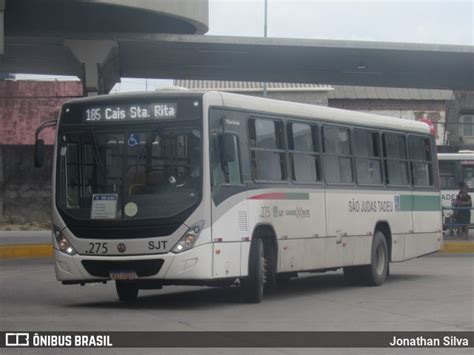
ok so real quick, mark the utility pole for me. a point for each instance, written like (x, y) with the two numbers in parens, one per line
(265, 22)
(265, 35)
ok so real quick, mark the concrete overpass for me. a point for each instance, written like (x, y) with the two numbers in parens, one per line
(78, 37)
(101, 58)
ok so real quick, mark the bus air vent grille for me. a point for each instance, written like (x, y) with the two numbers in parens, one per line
(243, 222)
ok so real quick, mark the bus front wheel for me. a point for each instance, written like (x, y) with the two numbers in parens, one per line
(253, 284)
(376, 272)
(126, 291)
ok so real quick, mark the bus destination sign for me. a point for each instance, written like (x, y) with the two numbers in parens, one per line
(130, 112)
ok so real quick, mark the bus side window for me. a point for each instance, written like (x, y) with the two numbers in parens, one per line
(267, 149)
(468, 176)
(303, 147)
(396, 159)
(420, 161)
(338, 155)
(368, 158)
(224, 172)
(447, 174)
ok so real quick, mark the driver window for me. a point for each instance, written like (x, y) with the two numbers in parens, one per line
(224, 172)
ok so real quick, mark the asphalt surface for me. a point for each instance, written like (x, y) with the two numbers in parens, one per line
(431, 293)
(25, 237)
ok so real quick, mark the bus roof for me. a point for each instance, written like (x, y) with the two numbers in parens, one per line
(456, 156)
(274, 106)
(137, 95)
(321, 112)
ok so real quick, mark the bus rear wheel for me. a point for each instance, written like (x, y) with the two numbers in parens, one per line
(376, 272)
(126, 291)
(253, 285)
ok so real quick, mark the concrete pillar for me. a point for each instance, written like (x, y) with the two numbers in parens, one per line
(100, 62)
(2, 187)
(2, 27)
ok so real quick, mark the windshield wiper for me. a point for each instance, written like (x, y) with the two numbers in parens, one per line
(97, 155)
(141, 152)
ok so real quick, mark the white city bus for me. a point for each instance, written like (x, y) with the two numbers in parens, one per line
(214, 188)
(455, 168)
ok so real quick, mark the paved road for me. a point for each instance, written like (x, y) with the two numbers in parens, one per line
(431, 293)
(24, 237)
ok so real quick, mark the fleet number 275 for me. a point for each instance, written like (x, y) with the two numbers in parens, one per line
(265, 212)
(97, 248)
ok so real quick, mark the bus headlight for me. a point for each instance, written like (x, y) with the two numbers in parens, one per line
(63, 244)
(189, 238)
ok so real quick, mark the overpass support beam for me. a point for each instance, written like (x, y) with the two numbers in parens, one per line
(2, 27)
(100, 62)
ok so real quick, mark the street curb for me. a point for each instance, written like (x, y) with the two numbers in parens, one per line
(457, 247)
(26, 251)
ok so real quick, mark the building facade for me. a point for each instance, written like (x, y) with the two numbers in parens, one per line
(460, 122)
(413, 104)
(25, 191)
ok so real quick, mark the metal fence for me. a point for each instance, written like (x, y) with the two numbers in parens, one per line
(451, 221)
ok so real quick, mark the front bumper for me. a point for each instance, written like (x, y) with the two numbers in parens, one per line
(193, 264)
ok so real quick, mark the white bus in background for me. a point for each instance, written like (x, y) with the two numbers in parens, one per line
(455, 168)
(213, 188)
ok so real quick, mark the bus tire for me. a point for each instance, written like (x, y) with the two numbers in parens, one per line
(253, 284)
(126, 291)
(375, 273)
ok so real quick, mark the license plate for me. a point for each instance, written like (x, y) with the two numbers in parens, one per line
(123, 275)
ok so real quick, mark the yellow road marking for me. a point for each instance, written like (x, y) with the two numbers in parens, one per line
(26, 251)
(457, 247)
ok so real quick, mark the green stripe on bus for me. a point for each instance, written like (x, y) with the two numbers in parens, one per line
(298, 196)
(281, 196)
(420, 203)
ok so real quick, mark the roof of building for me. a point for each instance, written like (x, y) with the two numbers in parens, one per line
(334, 91)
(381, 93)
(249, 86)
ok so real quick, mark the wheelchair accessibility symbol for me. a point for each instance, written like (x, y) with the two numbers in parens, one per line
(133, 141)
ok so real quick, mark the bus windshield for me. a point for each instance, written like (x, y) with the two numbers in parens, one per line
(152, 171)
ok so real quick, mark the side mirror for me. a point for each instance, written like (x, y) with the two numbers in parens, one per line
(227, 147)
(39, 153)
(39, 143)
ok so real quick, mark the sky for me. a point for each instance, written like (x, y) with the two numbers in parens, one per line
(447, 22)
(422, 21)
